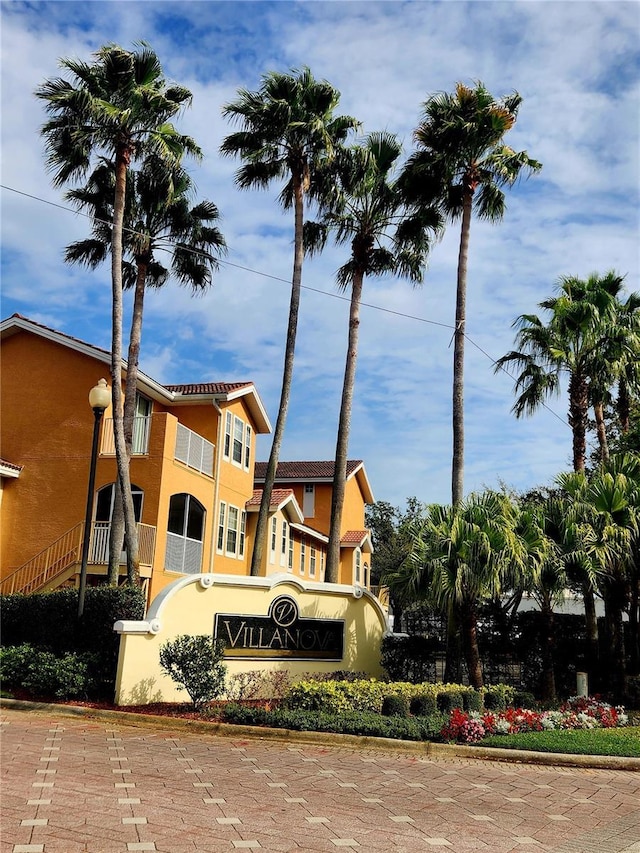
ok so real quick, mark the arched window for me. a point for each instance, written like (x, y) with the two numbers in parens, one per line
(185, 530)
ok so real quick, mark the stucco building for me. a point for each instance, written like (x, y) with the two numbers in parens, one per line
(195, 481)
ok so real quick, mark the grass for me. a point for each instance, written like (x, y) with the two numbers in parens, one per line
(621, 742)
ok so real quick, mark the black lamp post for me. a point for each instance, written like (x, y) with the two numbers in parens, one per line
(99, 399)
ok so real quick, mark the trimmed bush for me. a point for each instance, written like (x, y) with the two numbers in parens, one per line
(395, 706)
(472, 700)
(49, 621)
(448, 700)
(195, 665)
(423, 705)
(524, 699)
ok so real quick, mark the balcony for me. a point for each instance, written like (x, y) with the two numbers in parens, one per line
(140, 442)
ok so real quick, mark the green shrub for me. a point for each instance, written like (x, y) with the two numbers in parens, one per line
(472, 700)
(49, 621)
(195, 664)
(498, 697)
(447, 700)
(423, 705)
(364, 723)
(524, 699)
(395, 706)
(43, 674)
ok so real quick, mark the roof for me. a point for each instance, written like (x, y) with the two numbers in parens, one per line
(280, 499)
(316, 472)
(207, 392)
(356, 539)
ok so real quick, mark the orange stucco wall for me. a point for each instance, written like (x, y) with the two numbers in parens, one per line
(47, 427)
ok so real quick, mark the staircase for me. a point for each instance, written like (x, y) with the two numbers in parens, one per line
(60, 558)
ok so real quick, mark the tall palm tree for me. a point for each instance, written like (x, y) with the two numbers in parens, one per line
(581, 339)
(462, 556)
(120, 107)
(158, 217)
(462, 163)
(362, 206)
(288, 129)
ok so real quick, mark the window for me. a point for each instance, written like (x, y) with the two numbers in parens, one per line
(290, 563)
(185, 528)
(141, 424)
(312, 562)
(238, 436)
(283, 548)
(308, 500)
(221, 520)
(232, 530)
(243, 531)
(247, 447)
(322, 558)
(357, 564)
(274, 539)
(303, 556)
(227, 434)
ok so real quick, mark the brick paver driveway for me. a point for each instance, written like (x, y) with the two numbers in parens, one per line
(73, 785)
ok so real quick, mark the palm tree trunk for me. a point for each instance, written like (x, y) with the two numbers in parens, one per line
(457, 466)
(614, 599)
(122, 459)
(591, 622)
(287, 378)
(116, 536)
(547, 642)
(623, 404)
(453, 651)
(344, 426)
(598, 412)
(578, 409)
(472, 653)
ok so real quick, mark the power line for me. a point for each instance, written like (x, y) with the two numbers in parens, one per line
(287, 281)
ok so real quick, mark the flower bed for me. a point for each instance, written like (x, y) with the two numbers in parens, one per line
(577, 713)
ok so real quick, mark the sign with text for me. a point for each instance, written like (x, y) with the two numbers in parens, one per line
(280, 634)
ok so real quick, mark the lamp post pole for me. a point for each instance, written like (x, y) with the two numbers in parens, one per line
(99, 399)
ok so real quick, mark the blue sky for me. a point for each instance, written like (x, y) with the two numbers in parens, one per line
(575, 64)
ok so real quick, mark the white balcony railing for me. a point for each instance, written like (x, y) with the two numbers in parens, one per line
(183, 554)
(140, 437)
(99, 544)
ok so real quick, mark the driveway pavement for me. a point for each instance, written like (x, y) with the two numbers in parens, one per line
(71, 785)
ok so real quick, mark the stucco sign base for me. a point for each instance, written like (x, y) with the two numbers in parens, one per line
(272, 623)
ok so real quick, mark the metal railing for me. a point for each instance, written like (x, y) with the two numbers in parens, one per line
(66, 551)
(140, 437)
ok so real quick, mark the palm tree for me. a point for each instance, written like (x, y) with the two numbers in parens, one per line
(462, 556)
(287, 130)
(158, 217)
(362, 206)
(117, 107)
(606, 510)
(462, 164)
(582, 339)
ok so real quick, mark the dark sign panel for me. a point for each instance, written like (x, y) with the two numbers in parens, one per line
(280, 634)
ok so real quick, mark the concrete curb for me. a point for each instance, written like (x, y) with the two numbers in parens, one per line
(422, 748)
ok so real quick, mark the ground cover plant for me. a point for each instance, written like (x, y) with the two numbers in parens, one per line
(619, 742)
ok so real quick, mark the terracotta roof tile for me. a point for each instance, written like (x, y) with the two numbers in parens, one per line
(207, 387)
(304, 470)
(277, 496)
(353, 537)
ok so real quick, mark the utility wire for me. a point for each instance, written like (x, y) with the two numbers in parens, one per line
(286, 281)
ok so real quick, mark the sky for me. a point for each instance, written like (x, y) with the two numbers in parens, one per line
(576, 66)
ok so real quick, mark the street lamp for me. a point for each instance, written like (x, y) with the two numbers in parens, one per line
(99, 399)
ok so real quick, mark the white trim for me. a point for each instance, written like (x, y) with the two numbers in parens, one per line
(153, 623)
(309, 531)
(9, 471)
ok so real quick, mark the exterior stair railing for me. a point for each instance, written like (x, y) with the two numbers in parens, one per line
(66, 551)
